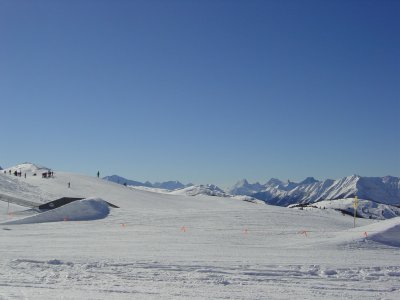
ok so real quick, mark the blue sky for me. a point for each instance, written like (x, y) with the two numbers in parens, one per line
(202, 91)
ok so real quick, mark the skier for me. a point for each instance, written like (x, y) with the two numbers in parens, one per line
(69, 184)
(98, 174)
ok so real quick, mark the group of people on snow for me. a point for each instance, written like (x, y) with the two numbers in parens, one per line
(16, 173)
(47, 174)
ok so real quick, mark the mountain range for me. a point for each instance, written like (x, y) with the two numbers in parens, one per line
(384, 190)
(378, 189)
(168, 185)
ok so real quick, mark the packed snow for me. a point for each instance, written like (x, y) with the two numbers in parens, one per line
(159, 245)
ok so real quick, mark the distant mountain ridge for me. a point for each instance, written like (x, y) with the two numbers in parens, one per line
(384, 190)
(168, 185)
(379, 189)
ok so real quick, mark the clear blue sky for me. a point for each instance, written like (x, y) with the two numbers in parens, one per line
(202, 91)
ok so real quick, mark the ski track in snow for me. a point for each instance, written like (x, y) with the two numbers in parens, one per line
(145, 279)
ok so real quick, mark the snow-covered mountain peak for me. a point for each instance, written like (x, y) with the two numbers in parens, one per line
(308, 180)
(241, 183)
(274, 182)
(353, 177)
(391, 180)
(290, 185)
(243, 187)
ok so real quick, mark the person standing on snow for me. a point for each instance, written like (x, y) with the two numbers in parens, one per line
(98, 174)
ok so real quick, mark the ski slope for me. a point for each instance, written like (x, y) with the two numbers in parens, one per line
(166, 246)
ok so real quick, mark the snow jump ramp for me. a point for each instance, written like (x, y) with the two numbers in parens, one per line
(63, 201)
(46, 206)
(62, 209)
(87, 209)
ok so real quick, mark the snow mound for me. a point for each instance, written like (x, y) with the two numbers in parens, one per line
(81, 210)
(387, 232)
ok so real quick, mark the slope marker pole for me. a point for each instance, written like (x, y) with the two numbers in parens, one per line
(355, 209)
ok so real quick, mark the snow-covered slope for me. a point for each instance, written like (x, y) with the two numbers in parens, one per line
(379, 189)
(165, 246)
(243, 187)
